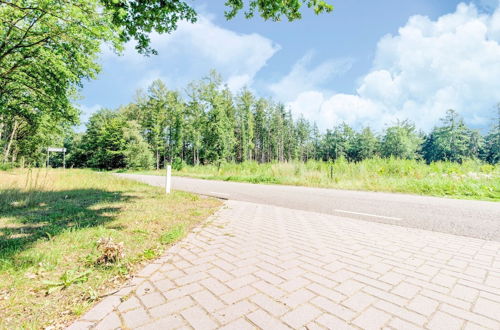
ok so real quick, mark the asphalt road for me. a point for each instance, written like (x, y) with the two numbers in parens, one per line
(476, 219)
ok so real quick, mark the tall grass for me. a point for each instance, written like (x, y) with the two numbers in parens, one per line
(470, 180)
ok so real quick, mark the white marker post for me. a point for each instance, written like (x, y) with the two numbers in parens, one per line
(168, 179)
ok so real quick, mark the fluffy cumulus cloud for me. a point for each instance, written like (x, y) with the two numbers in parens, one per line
(193, 49)
(427, 68)
(303, 78)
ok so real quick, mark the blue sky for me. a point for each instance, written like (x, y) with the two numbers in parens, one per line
(367, 63)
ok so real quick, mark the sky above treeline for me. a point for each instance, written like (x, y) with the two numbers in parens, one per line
(369, 63)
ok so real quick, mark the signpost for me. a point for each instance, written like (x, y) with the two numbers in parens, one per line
(52, 149)
(168, 179)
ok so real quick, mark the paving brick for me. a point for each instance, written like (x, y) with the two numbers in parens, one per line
(301, 316)
(464, 293)
(238, 294)
(423, 305)
(444, 280)
(269, 305)
(446, 299)
(239, 324)
(152, 299)
(349, 287)
(380, 294)
(325, 292)
(392, 278)
(167, 322)
(130, 303)
(406, 290)
(171, 307)
(488, 308)
(359, 301)
(333, 308)
(442, 321)
(295, 284)
(112, 321)
(241, 281)
(401, 312)
(102, 309)
(232, 312)
(332, 322)
(297, 298)
(473, 317)
(268, 289)
(372, 319)
(198, 318)
(207, 300)
(135, 318)
(265, 321)
(397, 323)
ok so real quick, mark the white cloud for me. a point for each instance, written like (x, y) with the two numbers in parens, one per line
(427, 68)
(301, 78)
(193, 49)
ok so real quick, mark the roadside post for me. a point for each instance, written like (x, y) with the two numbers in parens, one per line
(51, 149)
(168, 179)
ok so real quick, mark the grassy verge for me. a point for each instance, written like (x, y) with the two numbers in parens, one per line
(50, 222)
(470, 180)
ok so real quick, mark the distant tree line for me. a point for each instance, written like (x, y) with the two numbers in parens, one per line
(210, 125)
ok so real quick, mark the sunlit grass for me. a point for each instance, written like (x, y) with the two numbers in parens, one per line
(50, 222)
(470, 180)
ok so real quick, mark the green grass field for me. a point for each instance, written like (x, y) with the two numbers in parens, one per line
(50, 222)
(470, 180)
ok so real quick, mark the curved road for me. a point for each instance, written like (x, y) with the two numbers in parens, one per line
(470, 218)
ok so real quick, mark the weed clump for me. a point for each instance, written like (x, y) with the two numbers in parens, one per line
(111, 252)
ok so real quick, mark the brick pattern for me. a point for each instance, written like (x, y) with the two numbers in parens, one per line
(256, 266)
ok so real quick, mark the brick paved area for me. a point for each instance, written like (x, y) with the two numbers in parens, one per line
(257, 266)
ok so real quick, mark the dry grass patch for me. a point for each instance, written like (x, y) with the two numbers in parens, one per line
(52, 267)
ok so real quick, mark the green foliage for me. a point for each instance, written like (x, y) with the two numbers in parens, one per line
(470, 180)
(401, 141)
(137, 153)
(491, 151)
(275, 10)
(173, 234)
(49, 47)
(453, 141)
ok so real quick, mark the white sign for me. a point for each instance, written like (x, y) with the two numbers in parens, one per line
(56, 149)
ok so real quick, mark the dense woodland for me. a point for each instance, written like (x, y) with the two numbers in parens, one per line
(211, 125)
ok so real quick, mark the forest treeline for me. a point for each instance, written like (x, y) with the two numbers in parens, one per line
(211, 125)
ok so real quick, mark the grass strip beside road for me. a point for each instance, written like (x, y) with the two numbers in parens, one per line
(470, 180)
(50, 222)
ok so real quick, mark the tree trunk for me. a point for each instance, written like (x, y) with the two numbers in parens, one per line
(11, 140)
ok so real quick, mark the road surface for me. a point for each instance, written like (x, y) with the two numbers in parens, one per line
(478, 219)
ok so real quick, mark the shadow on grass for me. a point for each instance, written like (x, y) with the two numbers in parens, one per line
(29, 216)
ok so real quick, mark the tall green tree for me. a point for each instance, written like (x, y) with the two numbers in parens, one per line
(491, 151)
(452, 141)
(244, 125)
(401, 141)
(364, 146)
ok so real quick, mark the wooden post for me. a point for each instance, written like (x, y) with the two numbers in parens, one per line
(168, 179)
(64, 159)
